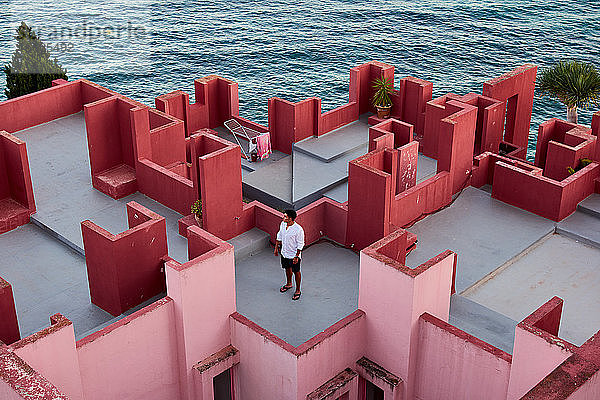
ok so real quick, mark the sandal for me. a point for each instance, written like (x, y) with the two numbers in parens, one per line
(296, 296)
(285, 288)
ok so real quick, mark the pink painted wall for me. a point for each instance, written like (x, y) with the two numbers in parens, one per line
(533, 359)
(590, 390)
(208, 279)
(452, 364)
(536, 351)
(386, 284)
(266, 370)
(327, 354)
(9, 325)
(7, 392)
(51, 352)
(576, 378)
(19, 381)
(134, 358)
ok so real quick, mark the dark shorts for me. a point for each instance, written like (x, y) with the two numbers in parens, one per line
(289, 263)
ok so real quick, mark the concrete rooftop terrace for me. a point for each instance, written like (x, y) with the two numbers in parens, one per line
(491, 262)
(290, 181)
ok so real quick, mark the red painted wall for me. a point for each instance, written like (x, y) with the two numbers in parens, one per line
(456, 142)
(490, 122)
(281, 124)
(39, 107)
(17, 175)
(413, 95)
(338, 117)
(368, 216)
(103, 134)
(435, 111)
(167, 139)
(520, 83)
(92, 92)
(9, 326)
(16, 191)
(217, 100)
(177, 104)
(166, 187)
(217, 172)
(596, 124)
(561, 145)
(199, 242)
(361, 78)
(426, 197)
(540, 195)
(124, 270)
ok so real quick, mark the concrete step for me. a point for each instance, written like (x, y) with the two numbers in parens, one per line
(327, 157)
(590, 205)
(581, 226)
(249, 243)
(56, 235)
(338, 193)
(482, 322)
(337, 143)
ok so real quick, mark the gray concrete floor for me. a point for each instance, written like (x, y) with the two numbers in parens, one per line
(331, 145)
(583, 226)
(64, 196)
(559, 266)
(484, 232)
(46, 278)
(482, 322)
(317, 167)
(501, 275)
(329, 291)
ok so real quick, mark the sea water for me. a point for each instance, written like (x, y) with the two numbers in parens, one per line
(305, 48)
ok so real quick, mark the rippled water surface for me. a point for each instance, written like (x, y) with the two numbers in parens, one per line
(304, 48)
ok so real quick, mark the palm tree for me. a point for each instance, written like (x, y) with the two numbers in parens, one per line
(573, 83)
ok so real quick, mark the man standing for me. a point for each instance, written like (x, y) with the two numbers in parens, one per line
(290, 241)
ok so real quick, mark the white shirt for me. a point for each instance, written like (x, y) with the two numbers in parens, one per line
(292, 239)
